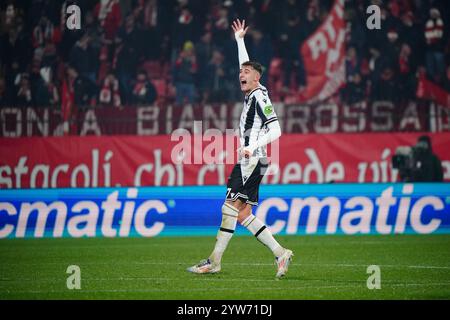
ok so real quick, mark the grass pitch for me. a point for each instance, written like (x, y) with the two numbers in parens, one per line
(324, 267)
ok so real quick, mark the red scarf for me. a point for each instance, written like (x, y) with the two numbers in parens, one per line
(42, 34)
(109, 94)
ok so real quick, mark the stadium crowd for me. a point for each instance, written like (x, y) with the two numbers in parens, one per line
(133, 52)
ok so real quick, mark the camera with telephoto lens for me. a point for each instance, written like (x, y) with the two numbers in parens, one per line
(403, 158)
(406, 160)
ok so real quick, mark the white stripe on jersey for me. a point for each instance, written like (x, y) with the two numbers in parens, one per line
(256, 114)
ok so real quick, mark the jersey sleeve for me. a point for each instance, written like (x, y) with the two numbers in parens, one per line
(265, 108)
(242, 51)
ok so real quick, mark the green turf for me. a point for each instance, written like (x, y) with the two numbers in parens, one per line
(324, 267)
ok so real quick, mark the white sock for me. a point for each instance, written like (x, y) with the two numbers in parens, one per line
(263, 234)
(227, 227)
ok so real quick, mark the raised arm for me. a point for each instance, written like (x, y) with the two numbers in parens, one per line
(239, 33)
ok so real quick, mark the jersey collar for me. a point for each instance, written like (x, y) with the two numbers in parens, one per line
(250, 93)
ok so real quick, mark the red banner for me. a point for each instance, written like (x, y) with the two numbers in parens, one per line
(428, 90)
(147, 161)
(324, 57)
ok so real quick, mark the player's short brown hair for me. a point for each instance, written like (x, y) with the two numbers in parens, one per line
(255, 65)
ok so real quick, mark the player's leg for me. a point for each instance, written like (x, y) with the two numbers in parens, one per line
(259, 230)
(282, 255)
(257, 227)
(230, 211)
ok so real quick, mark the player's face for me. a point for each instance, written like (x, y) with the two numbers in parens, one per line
(248, 78)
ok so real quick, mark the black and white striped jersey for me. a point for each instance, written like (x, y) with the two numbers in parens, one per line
(257, 113)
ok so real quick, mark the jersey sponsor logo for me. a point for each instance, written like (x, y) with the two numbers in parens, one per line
(268, 110)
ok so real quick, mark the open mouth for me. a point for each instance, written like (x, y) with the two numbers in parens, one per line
(243, 82)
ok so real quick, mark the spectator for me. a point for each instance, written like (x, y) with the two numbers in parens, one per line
(406, 65)
(15, 54)
(352, 66)
(204, 49)
(84, 59)
(110, 92)
(68, 100)
(290, 38)
(408, 32)
(313, 16)
(8, 18)
(374, 64)
(261, 50)
(46, 90)
(216, 79)
(447, 80)
(434, 55)
(355, 90)
(45, 32)
(4, 98)
(356, 24)
(221, 25)
(148, 15)
(128, 54)
(391, 50)
(386, 88)
(144, 92)
(24, 96)
(183, 27)
(84, 90)
(184, 74)
(70, 37)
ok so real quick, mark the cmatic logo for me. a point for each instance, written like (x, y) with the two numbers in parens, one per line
(384, 214)
(162, 211)
(86, 218)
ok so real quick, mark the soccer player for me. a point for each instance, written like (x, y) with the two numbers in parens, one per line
(258, 127)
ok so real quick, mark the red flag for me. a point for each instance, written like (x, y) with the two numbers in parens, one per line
(324, 57)
(428, 90)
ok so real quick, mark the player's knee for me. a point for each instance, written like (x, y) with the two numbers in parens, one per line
(244, 213)
(238, 205)
(229, 210)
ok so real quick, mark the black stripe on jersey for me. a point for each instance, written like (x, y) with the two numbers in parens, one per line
(270, 120)
(249, 121)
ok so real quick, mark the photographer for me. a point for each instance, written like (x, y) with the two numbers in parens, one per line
(419, 164)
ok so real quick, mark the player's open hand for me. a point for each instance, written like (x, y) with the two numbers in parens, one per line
(239, 28)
